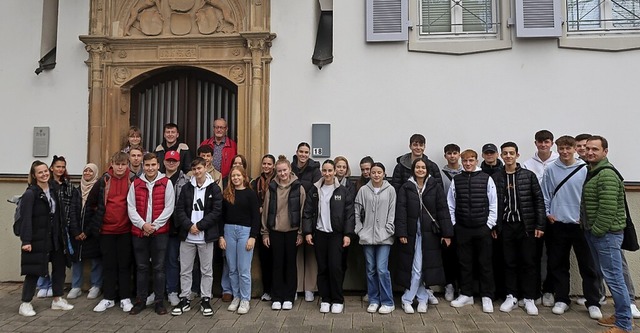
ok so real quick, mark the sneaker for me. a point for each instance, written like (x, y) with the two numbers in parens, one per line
(42, 293)
(205, 307)
(373, 308)
(548, 300)
(183, 306)
(159, 308)
(487, 305)
(559, 308)
(603, 300)
(538, 301)
(530, 307)
(244, 307)
(74, 293)
(433, 300)
(49, 292)
(173, 298)
(276, 306)
(226, 297)
(337, 308)
(581, 301)
(386, 309)
(325, 307)
(138, 307)
(422, 307)
(287, 305)
(61, 304)
(265, 297)
(94, 292)
(26, 309)
(521, 302)
(234, 305)
(151, 299)
(448, 292)
(365, 298)
(635, 313)
(594, 312)
(408, 309)
(125, 305)
(461, 301)
(509, 304)
(308, 296)
(104, 305)
(608, 322)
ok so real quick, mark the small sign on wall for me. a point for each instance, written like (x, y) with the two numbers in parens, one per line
(40, 141)
(321, 140)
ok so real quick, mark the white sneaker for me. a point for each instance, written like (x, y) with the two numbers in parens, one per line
(235, 303)
(244, 307)
(422, 307)
(448, 292)
(42, 293)
(487, 305)
(433, 300)
(26, 309)
(385, 309)
(509, 304)
(125, 305)
(287, 305)
(308, 296)
(538, 301)
(61, 304)
(365, 298)
(559, 308)
(276, 306)
(49, 292)
(594, 312)
(548, 300)
(265, 297)
(461, 301)
(173, 298)
(74, 293)
(337, 308)
(325, 307)
(530, 307)
(581, 301)
(408, 309)
(94, 292)
(151, 299)
(105, 304)
(635, 313)
(373, 308)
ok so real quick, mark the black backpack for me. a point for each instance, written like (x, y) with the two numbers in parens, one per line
(17, 216)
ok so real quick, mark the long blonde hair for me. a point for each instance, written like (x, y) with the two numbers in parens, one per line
(230, 192)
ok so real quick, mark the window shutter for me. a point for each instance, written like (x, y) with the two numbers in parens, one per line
(387, 20)
(538, 18)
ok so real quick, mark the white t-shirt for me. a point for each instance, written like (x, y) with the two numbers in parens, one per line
(324, 208)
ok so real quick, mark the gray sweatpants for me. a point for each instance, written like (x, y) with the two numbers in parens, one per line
(187, 256)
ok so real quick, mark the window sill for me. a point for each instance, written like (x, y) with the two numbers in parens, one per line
(603, 42)
(458, 46)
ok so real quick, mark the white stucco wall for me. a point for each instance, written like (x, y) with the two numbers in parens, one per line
(56, 98)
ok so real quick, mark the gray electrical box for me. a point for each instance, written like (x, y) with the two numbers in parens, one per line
(321, 140)
(40, 141)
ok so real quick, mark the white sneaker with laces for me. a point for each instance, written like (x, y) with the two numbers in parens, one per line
(408, 308)
(265, 297)
(61, 304)
(49, 292)
(386, 309)
(594, 312)
(151, 299)
(276, 306)
(287, 305)
(548, 300)
(635, 313)
(74, 293)
(559, 308)
(235, 303)
(461, 301)
(173, 298)
(94, 292)
(448, 292)
(509, 304)
(244, 307)
(308, 296)
(26, 309)
(433, 300)
(530, 307)
(422, 307)
(126, 305)
(581, 301)
(373, 308)
(337, 308)
(487, 305)
(325, 307)
(105, 304)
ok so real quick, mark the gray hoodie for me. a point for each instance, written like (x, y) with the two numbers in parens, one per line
(379, 214)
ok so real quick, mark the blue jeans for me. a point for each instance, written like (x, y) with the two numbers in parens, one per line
(239, 260)
(172, 265)
(378, 276)
(225, 281)
(44, 282)
(608, 256)
(77, 270)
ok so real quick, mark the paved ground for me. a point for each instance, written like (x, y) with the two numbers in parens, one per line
(303, 318)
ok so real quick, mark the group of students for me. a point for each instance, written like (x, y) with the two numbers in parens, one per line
(443, 227)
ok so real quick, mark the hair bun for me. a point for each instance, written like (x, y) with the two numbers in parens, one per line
(281, 157)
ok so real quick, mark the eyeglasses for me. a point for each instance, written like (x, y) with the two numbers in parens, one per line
(219, 127)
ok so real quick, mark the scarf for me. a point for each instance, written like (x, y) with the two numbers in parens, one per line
(85, 186)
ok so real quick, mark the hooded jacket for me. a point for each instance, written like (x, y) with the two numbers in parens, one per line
(111, 217)
(378, 227)
(308, 174)
(402, 172)
(536, 165)
(603, 200)
(341, 208)
(210, 222)
(150, 201)
(491, 169)
(283, 206)
(565, 205)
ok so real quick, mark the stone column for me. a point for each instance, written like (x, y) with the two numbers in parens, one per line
(96, 112)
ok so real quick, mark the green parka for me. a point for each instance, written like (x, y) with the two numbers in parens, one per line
(603, 200)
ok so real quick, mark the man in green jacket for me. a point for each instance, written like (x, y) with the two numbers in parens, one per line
(604, 222)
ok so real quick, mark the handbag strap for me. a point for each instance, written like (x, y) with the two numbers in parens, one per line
(567, 178)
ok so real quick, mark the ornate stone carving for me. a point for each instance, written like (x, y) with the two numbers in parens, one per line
(122, 54)
(181, 6)
(147, 14)
(180, 23)
(124, 103)
(236, 52)
(120, 75)
(177, 53)
(236, 73)
(215, 16)
(258, 2)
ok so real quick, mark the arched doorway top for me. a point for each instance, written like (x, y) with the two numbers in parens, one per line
(151, 73)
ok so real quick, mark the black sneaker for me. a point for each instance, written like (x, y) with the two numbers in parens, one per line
(205, 307)
(183, 306)
(138, 307)
(160, 309)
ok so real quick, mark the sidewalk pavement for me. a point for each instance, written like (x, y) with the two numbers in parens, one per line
(304, 317)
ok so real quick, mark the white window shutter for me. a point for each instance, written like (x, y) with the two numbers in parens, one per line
(538, 18)
(387, 20)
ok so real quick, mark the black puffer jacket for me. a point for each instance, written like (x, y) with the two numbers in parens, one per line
(212, 220)
(402, 172)
(341, 207)
(472, 202)
(530, 198)
(408, 210)
(308, 175)
(90, 247)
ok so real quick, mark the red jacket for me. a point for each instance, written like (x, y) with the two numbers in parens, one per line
(142, 197)
(112, 209)
(229, 151)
